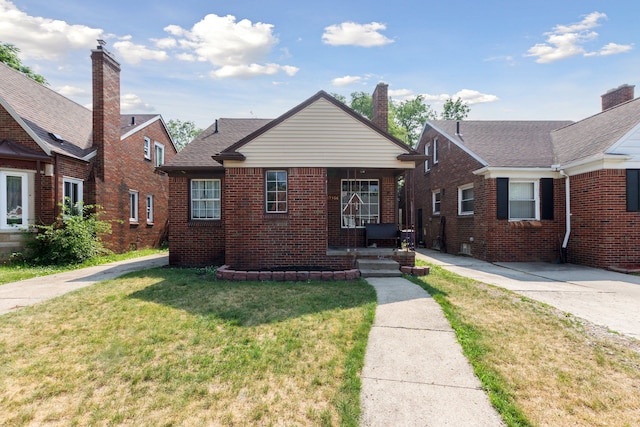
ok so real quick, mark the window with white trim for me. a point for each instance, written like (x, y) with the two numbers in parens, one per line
(523, 200)
(435, 150)
(14, 200)
(427, 163)
(465, 199)
(133, 206)
(149, 209)
(205, 199)
(435, 201)
(147, 148)
(72, 195)
(360, 202)
(159, 153)
(276, 191)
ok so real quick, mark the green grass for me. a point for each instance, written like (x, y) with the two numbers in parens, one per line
(177, 347)
(538, 365)
(13, 272)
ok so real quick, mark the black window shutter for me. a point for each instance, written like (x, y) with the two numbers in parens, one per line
(502, 197)
(546, 198)
(633, 190)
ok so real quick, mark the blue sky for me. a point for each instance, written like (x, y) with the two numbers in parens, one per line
(202, 60)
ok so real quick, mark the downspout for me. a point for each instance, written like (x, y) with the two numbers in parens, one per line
(565, 242)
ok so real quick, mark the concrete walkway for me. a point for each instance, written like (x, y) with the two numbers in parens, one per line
(414, 372)
(603, 297)
(31, 291)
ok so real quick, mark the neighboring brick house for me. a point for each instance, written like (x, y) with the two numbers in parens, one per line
(496, 190)
(53, 149)
(262, 194)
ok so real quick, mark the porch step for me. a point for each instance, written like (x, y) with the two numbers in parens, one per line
(382, 267)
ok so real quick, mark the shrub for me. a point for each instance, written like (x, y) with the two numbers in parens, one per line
(73, 238)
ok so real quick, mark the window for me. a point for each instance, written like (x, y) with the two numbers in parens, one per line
(435, 150)
(276, 191)
(149, 209)
(633, 190)
(360, 202)
(133, 206)
(523, 200)
(465, 200)
(435, 197)
(427, 163)
(147, 148)
(72, 195)
(14, 200)
(159, 153)
(205, 199)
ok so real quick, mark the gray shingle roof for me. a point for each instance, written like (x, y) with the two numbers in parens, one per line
(46, 111)
(198, 153)
(504, 143)
(594, 135)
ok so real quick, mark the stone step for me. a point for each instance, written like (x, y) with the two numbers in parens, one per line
(377, 264)
(380, 273)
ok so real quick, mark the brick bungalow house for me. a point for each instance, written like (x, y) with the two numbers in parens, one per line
(52, 149)
(535, 190)
(293, 191)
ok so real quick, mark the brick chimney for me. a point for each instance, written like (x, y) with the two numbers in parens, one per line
(106, 106)
(617, 96)
(380, 101)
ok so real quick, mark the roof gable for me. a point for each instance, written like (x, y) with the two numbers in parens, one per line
(320, 132)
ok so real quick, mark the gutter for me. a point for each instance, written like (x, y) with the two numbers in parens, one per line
(567, 190)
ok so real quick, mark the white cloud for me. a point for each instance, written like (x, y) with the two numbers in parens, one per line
(346, 80)
(43, 38)
(565, 41)
(72, 91)
(402, 94)
(165, 43)
(252, 70)
(130, 102)
(136, 53)
(354, 34)
(238, 49)
(467, 95)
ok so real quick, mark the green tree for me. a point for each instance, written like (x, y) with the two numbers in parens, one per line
(455, 110)
(9, 56)
(410, 115)
(182, 132)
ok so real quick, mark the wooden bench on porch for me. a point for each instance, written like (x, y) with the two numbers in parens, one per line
(382, 231)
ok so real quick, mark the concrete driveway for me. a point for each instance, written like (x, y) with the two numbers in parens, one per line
(602, 297)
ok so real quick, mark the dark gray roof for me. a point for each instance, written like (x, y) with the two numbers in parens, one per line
(139, 120)
(198, 153)
(47, 112)
(504, 143)
(594, 135)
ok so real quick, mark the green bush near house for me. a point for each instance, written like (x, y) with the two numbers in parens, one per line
(73, 238)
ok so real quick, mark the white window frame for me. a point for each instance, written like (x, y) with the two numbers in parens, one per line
(158, 151)
(536, 198)
(73, 203)
(436, 203)
(427, 163)
(435, 151)
(350, 199)
(212, 204)
(147, 148)
(149, 209)
(3, 200)
(272, 197)
(133, 206)
(461, 191)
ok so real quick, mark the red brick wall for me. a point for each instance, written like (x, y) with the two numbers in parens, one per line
(353, 238)
(603, 233)
(193, 243)
(256, 239)
(490, 239)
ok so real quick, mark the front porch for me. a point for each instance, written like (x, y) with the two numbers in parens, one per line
(403, 257)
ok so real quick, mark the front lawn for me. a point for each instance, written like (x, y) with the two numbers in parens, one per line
(176, 347)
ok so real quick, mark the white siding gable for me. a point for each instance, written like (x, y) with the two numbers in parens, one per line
(629, 144)
(321, 135)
